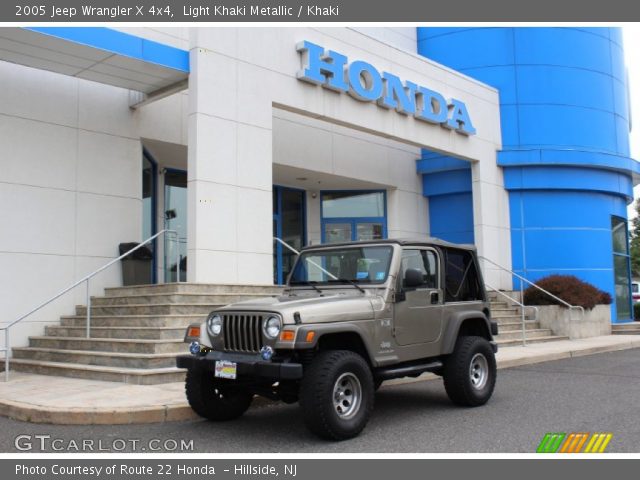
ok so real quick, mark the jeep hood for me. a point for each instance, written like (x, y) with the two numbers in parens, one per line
(312, 309)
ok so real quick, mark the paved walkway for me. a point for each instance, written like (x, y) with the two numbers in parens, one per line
(59, 400)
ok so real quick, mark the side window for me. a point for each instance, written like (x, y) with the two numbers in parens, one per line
(461, 277)
(423, 260)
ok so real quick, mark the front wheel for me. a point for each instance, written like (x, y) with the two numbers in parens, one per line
(470, 372)
(215, 399)
(336, 394)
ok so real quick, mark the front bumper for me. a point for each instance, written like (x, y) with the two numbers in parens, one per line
(248, 366)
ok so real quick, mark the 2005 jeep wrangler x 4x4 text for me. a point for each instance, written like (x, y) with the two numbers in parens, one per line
(352, 315)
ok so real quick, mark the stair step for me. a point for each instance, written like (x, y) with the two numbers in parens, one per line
(517, 334)
(511, 318)
(151, 321)
(150, 309)
(195, 288)
(626, 329)
(175, 299)
(132, 333)
(518, 342)
(505, 311)
(498, 304)
(105, 359)
(108, 344)
(137, 376)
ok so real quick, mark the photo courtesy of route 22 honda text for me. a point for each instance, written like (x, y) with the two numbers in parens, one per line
(351, 316)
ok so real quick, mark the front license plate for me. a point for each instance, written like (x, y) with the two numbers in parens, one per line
(226, 369)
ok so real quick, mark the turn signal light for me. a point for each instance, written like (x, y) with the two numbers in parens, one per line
(193, 331)
(287, 336)
(310, 336)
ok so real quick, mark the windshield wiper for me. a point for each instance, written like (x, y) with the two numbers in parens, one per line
(346, 280)
(312, 285)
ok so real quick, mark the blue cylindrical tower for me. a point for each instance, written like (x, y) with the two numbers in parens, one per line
(565, 134)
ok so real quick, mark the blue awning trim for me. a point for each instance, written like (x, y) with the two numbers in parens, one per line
(120, 43)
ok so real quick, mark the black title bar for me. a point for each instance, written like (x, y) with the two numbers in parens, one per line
(414, 11)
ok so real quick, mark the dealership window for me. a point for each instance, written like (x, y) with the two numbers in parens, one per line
(353, 215)
(621, 268)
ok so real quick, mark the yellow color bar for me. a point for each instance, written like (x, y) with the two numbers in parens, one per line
(607, 439)
(591, 442)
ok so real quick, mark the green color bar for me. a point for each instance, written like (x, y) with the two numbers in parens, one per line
(550, 442)
(541, 448)
(558, 442)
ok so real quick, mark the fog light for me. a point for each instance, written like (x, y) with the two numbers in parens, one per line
(194, 348)
(266, 353)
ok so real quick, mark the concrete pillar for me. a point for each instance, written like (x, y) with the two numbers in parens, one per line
(229, 172)
(491, 224)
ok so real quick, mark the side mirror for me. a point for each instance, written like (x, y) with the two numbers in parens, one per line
(412, 278)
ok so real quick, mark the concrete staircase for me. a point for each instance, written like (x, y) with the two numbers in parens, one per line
(136, 333)
(626, 328)
(509, 321)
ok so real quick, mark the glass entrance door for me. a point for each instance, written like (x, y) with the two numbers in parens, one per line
(149, 199)
(175, 218)
(289, 224)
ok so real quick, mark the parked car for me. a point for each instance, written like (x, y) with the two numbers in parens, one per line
(352, 316)
(635, 291)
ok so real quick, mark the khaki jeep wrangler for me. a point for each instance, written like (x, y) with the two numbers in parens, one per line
(351, 316)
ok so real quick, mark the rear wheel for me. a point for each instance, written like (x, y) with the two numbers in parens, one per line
(215, 399)
(470, 372)
(336, 394)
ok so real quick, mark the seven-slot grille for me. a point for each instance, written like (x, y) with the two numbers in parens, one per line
(242, 332)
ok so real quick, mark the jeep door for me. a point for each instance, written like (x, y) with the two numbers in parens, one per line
(418, 310)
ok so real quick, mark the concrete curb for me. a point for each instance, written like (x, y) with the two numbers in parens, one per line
(28, 412)
(93, 416)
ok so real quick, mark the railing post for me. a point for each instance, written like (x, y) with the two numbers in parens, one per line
(524, 326)
(88, 310)
(6, 355)
(178, 258)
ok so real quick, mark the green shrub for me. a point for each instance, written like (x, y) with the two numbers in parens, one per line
(636, 311)
(569, 288)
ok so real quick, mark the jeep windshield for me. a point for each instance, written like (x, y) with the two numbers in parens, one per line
(367, 265)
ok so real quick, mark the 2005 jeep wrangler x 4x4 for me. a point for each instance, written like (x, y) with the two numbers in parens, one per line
(352, 315)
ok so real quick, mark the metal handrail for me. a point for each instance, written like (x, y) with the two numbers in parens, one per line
(567, 304)
(522, 307)
(87, 279)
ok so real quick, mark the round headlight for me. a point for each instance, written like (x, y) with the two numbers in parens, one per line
(272, 327)
(214, 325)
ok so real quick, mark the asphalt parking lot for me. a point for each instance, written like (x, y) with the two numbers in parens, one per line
(597, 393)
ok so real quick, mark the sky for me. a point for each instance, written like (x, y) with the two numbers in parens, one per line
(632, 59)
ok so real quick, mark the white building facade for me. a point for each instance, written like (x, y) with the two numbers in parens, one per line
(242, 134)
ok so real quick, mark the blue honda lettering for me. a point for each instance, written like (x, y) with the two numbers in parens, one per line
(434, 107)
(459, 120)
(364, 81)
(326, 70)
(398, 96)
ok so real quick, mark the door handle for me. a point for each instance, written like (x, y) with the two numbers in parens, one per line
(435, 298)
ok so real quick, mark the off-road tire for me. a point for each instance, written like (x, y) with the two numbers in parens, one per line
(318, 389)
(459, 378)
(212, 399)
